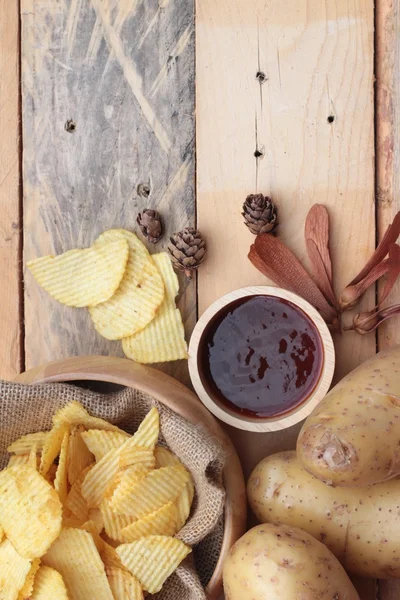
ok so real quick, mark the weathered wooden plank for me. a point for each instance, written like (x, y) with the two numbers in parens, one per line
(123, 73)
(388, 165)
(294, 82)
(10, 226)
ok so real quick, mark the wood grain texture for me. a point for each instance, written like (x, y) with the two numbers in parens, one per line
(317, 58)
(123, 72)
(10, 230)
(309, 116)
(388, 167)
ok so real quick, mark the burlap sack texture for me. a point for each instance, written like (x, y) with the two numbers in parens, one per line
(29, 408)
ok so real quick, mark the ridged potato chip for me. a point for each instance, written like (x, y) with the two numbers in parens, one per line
(124, 585)
(52, 446)
(152, 492)
(27, 588)
(78, 456)
(165, 458)
(110, 557)
(160, 522)
(148, 431)
(184, 503)
(73, 413)
(83, 277)
(163, 339)
(33, 458)
(99, 442)
(153, 559)
(24, 444)
(113, 523)
(75, 556)
(75, 502)
(126, 480)
(13, 571)
(139, 296)
(49, 585)
(92, 528)
(30, 511)
(100, 476)
(18, 459)
(61, 479)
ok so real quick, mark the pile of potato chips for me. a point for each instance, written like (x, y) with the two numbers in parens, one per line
(130, 294)
(89, 512)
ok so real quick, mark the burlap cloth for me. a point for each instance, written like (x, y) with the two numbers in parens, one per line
(29, 408)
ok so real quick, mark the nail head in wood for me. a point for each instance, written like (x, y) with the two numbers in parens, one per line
(70, 126)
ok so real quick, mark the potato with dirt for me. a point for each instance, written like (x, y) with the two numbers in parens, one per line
(352, 438)
(361, 526)
(279, 562)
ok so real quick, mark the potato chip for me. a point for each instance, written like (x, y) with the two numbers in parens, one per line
(113, 523)
(75, 502)
(60, 481)
(27, 588)
(13, 571)
(51, 474)
(92, 528)
(97, 518)
(99, 477)
(83, 277)
(148, 431)
(124, 585)
(99, 442)
(152, 492)
(52, 446)
(153, 559)
(49, 585)
(30, 510)
(24, 444)
(110, 557)
(18, 459)
(165, 458)
(136, 301)
(184, 503)
(74, 414)
(75, 556)
(33, 458)
(126, 480)
(78, 455)
(163, 339)
(1, 534)
(160, 522)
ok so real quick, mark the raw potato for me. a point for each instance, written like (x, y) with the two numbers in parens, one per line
(279, 562)
(352, 437)
(361, 526)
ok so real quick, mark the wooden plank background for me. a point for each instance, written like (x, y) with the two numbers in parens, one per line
(123, 71)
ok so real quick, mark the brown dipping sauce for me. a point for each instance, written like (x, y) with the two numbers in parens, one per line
(260, 356)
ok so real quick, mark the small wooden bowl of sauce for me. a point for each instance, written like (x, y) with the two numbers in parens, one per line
(261, 358)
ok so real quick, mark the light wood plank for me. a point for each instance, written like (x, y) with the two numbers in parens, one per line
(318, 62)
(124, 73)
(388, 166)
(10, 225)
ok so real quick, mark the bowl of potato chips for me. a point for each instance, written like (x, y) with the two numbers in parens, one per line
(88, 510)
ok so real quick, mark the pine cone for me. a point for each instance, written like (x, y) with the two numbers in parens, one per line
(150, 224)
(187, 249)
(259, 214)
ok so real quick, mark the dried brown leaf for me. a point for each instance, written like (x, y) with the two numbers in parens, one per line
(353, 293)
(366, 322)
(317, 230)
(320, 275)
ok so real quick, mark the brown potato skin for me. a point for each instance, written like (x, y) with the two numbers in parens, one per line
(352, 438)
(361, 526)
(279, 562)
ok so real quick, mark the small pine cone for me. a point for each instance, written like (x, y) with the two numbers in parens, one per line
(260, 214)
(150, 224)
(187, 249)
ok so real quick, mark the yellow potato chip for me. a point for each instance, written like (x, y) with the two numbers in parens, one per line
(148, 431)
(152, 492)
(27, 588)
(184, 503)
(51, 474)
(165, 458)
(97, 518)
(24, 444)
(83, 277)
(99, 442)
(30, 511)
(137, 299)
(160, 522)
(92, 528)
(33, 458)
(113, 523)
(73, 413)
(18, 459)
(75, 502)
(75, 556)
(13, 571)
(153, 559)
(126, 479)
(49, 585)
(60, 481)
(163, 339)
(110, 557)
(78, 455)
(52, 446)
(99, 477)
(124, 585)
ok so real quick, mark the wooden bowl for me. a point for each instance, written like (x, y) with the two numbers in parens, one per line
(178, 398)
(259, 424)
